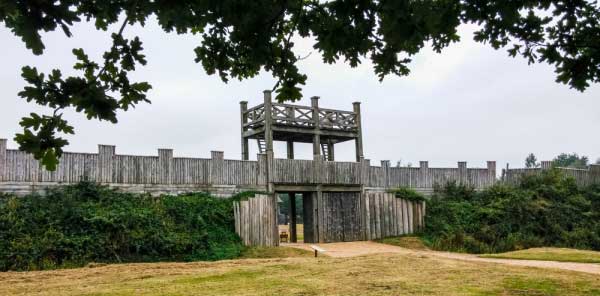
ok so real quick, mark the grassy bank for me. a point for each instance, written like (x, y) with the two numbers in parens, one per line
(365, 275)
(550, 254)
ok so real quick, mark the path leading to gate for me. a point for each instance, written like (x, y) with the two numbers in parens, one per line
(351, 249)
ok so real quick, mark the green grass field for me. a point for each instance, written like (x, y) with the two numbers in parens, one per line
(409, 242)
(550, 254)
(385, 274)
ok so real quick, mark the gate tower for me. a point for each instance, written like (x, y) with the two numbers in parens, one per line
(270, 121)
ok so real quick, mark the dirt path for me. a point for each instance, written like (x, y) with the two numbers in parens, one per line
(351, 249)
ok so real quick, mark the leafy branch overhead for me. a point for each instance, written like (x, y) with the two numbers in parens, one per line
(240, 38)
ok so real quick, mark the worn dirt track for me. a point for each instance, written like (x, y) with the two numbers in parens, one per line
(351, 249)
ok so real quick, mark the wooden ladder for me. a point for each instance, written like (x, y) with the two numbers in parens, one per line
(325, 150)
(262, 145)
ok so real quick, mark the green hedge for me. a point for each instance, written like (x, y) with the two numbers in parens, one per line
(74, 225)
(543, 210)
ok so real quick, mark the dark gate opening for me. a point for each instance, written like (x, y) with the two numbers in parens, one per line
(296, 217)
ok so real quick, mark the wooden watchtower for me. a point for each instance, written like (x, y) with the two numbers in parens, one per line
(323, 128)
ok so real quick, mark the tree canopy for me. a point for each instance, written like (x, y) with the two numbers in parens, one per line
(239, 38)
(571, 160)
(531, 161)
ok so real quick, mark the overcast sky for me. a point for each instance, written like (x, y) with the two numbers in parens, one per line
(469, 103)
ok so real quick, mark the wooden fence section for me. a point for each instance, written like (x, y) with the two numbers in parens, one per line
(583, 177)
(386, 215)
(426, 177)
(256, 221)
(107, 167)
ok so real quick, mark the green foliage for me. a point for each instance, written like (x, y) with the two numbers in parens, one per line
(74, 225)
(240, 38)
(531, 161)
(408, 194)
(285, 207)
(572, 160)
(543, 210)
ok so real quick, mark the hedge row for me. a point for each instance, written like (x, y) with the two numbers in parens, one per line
(543, 210)
(74, 225)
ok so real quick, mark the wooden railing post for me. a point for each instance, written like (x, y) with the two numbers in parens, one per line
(314, 102)
(3, 159)
(104, 170)
(244, 120)
(165, 165)
(358, 141)
(217, 161)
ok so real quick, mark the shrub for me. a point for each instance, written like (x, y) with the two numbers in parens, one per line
(74, 225)
(408, 194)
(543, 210)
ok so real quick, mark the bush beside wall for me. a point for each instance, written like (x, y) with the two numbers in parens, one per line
(74, 225)
(543, 210)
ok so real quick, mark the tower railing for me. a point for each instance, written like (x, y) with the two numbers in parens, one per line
(302, 116)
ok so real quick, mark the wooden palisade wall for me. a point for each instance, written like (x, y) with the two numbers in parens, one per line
(177, 174)
(256, 221)
(386, 215)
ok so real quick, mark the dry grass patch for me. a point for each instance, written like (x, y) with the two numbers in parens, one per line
(299, 231)
(386, 274)
(550, 254)
(274, 252)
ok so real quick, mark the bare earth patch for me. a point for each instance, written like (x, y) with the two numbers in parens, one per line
(350, 249)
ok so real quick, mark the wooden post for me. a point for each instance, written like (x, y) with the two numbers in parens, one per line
(423, 173)
(320, 217)
(290, 113)
(2, 159)
(293, 233)
(364, 172)
(165, 166)
(594, 173)
(314, 102)
(385, 165)
(330, 151)
(462, 172)
(217, 159)
(491, 166)
(104, 170)
(244, 120)
(262, 169)
(269, 140)
(358, 141)
(290, 149)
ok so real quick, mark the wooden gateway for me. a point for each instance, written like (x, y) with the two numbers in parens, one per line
(331, 212)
